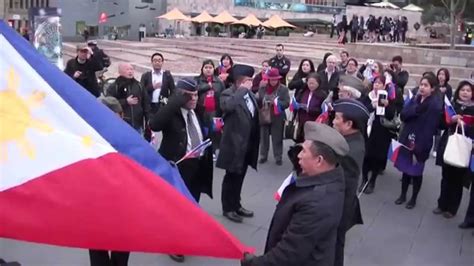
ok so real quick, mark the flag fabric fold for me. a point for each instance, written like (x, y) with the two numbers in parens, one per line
(277, 109)
(293, 104)
(407, 97)
(323, 118)
(197, 151)
(74, 174)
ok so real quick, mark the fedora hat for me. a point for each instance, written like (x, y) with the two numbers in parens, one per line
(273, 73)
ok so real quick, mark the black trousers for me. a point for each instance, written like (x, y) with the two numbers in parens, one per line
(417, 180)
(102, 258)
(403, 35)
(470, 209)
(451, 188)
(353, 36)
(371, 166)
(189, 170)
(231, 189)
(396, 36)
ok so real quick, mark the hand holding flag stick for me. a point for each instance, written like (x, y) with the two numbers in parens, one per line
(197, 151)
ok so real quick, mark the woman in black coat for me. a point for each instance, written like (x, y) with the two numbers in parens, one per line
(454, 177)
(380, 136)
(323, 65)
(298, 81)
(420, 117)
(444, 89)
(210, 88)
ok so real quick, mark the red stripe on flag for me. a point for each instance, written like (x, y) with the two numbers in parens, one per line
(112, 203)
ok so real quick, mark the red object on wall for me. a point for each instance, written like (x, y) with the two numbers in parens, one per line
(103, 17)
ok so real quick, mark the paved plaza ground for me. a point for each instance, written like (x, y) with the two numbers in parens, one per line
(391, 234)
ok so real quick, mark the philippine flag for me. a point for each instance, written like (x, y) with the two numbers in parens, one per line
(74, 174)
(448, 110)
(288, 181)
(293, 104)
(394, 150)
(277, 110)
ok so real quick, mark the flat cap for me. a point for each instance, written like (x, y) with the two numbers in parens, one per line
(354, 82)
(112, 103)
(242, 70)
(327, 135)
(353, 110)
(187, 84)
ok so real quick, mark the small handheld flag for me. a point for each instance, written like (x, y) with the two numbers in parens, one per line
(288, 181)
(324, 116)
(293, 104)
(217, 124)
(394, 149)
(391, 91)
(197, 151)
(277, 110)
(448, 110)
(407, 97)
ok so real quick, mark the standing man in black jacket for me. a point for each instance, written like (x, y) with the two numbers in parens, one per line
(401, 76)
(158, 83)
(82, 69)
(351, 121)
(281, 62)
(240, 140)
(132, 97)
(304, 226)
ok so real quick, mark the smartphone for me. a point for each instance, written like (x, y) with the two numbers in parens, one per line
(382, 96)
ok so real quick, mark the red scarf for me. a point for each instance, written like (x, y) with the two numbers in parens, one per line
(270, 89)
(209, 99)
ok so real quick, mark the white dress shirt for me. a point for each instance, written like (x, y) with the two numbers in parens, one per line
(156, 77)
(184, 112)
(250, 105)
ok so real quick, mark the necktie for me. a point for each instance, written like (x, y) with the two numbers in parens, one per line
(249, 103)
(192, 131)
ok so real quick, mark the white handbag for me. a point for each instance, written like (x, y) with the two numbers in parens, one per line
(458, 149)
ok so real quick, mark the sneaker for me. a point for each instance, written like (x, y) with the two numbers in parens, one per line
(214, 157)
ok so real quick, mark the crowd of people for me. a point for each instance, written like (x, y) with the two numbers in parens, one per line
(372, 29)
(343, 118)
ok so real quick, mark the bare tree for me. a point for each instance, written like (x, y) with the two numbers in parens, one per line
(456, 9)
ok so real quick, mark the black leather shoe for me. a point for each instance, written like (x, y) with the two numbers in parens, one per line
(369, 190)
(465, 225)
(401, 200)
(437, 211)
(234, 217)
(279, 162)
(262, 160)
(177, 258)
(244, 213)
(411, 204)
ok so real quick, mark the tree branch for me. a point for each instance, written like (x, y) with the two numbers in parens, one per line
(463, 7)
(446, 4)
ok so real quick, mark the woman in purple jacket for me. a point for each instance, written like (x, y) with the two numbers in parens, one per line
(421, 120)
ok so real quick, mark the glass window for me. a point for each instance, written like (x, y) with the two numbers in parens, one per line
(11, 4)
(21, 4)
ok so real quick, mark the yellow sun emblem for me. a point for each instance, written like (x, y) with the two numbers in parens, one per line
(16, 117)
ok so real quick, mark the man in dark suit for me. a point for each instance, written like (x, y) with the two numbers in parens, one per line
(303, 229)
(158, 83)
(240, 140)
(183, 129)
(281, 62)
(330, 76)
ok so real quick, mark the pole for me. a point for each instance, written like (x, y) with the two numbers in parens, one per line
(453, 24)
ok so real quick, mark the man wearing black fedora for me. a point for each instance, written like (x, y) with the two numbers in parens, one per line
(240, 140)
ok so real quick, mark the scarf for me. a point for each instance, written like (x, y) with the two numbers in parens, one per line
(271, 89)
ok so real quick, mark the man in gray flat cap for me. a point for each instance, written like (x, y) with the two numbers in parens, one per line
(304, 226)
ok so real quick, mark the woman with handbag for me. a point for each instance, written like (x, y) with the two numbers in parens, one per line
(272, 99)
(310, 99)
(384, 128)
(453, 177)
(421, 120)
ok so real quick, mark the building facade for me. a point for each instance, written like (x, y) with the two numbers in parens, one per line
(15, 12)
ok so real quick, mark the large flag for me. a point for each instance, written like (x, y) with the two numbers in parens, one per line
(72, 173)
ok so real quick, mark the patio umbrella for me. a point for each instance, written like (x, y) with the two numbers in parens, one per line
(249, 20)
(412, 7)
(385, 4)
(276, 21)
(204, 17)
(175, 14)
(224, 18)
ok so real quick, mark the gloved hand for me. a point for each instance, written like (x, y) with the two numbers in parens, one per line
(293, 156)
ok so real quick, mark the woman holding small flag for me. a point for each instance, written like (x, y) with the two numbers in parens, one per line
(261, 79)
(384, 102)
(454, 177)
(421, 120)
(298, 82)
(272, 99)
(224, 70)
(210, 88)
(310, 99)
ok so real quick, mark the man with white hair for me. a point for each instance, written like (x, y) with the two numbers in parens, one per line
(132, 97)
(330, 75)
